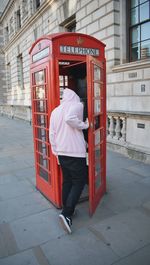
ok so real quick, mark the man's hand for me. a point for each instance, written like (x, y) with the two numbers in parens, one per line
(86, 123)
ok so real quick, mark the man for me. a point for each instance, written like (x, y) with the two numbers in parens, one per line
(68, 144)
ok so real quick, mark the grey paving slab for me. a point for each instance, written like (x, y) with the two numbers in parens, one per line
(28, 174)
(25, 205)
(146, 205)
(7, 178)
(12, 146)
(126, 197)
(139, 224)
(82, 218)
(6, 160)
(116, 161)
(11, 151)
(14, 166)
(137, 258)
(121, 179)
(36, 229)
(8, 244)
(31, 180)
(125, 232)
(28, 158)
(23, 258)
(140, 169)
(24, 173)
(8, 142)
(40, 256)
(12, 190)
(81, 247)
(145, 181)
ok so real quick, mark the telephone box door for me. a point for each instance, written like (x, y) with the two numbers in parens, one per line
(96, 140)
(40, 103)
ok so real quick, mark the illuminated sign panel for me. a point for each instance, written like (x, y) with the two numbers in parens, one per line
(40, 55)
(79, 50)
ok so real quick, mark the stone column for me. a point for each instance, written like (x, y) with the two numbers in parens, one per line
(117, 128)
(111, 127)
(123, 130)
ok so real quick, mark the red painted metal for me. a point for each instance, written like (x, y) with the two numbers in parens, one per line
(95, 194)
(52, 65)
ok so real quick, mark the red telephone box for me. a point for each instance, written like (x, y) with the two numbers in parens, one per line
(55, 59)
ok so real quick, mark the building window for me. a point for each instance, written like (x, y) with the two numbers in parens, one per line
(20, 71)
(71, 27)
(6, 34)
(69, 24)
(37, 3)
(139, 29)
(8, 76)
(18, 19)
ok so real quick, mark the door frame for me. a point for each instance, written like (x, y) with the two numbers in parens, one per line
(95, 196)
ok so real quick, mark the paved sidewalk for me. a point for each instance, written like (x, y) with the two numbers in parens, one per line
(118, 233)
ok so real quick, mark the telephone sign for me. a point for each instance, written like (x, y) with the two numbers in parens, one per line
(79, 50)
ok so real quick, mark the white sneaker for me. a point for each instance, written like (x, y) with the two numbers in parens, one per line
(66, 223)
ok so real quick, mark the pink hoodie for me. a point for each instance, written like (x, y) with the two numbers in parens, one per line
(66, 125)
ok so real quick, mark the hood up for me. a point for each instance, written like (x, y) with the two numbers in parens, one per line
(70, 95)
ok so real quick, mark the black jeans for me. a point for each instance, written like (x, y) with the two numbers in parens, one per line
(74, 178)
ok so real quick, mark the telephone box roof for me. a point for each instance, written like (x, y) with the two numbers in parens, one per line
(59, 35)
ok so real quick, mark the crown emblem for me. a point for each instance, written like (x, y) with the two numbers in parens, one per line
(79, 41)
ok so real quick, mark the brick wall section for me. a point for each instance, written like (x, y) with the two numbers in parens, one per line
(101, 19)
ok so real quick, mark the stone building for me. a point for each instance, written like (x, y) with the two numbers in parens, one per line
(123, 25)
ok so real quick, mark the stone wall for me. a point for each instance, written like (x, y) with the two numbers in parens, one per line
(2, 69)
(128, 87)
(128, 91)
(97, 18)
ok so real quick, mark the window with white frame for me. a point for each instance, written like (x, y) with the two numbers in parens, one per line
(139, 30)
(20, 71)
